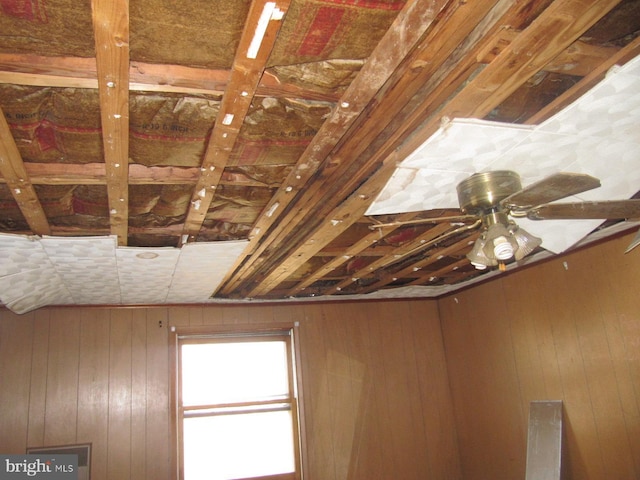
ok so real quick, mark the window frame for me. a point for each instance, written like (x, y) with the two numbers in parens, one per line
(234, 333)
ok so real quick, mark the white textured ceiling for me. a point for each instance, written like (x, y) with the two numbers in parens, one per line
(35, 271)
(599, 134)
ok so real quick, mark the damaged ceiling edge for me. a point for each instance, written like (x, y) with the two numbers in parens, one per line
(39, 271)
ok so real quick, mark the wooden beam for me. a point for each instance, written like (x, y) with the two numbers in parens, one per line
(621, 57)
(579, 59)
(446, 57)
(18, 181)
(459, 30)
(95, 174)
(345, 255)
(562, 23)
(407, 29)
(432, 276)
(84, 231)
(75, 72)
(255, 46)
(395, 256)
(553, 31)
(435, 256)
(111, 31)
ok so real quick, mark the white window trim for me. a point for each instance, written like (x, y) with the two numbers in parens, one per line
(178, 332)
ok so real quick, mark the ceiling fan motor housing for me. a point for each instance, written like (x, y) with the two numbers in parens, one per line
(481, 193)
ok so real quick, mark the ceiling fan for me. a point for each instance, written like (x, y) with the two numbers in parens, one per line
(491, 198)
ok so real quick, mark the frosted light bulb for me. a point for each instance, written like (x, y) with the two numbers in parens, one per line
(502, 248)
(479, 266)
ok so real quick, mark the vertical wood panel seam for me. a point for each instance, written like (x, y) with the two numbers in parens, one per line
(635, 387)
(423, 428)
(447, 368)
(131, 357)
(80, 323)
(588, 387)
(512, 349)
(601, 321)
(108, 393)
(46, 382)
(33, 341)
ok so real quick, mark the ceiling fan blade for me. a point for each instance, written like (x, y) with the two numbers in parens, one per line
(554, 187)
(612, 210)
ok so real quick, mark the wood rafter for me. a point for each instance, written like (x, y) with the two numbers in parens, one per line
(407, 29)
(95, 174)
(246, 72)
(436, 255)
(578, 59)
(454, 32)
(554, 30)
(432, 276)
(396, 255)
(18, 181)
(111, 30)
(74, 72)
(345, 255)
(622, 56)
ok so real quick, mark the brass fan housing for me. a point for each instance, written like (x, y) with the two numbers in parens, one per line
(482, 192)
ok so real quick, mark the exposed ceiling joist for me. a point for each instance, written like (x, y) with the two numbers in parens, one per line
(620, 57)
(74, 72)
(17, 179)
(455, 33)
(406, 31)
(421, 266)
(111, 30)
(409, 248)
(253, 52)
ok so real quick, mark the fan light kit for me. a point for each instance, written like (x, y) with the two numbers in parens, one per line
(501, 239)
(494, 196)
(500, 243)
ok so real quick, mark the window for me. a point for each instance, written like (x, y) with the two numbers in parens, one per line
(235, 405)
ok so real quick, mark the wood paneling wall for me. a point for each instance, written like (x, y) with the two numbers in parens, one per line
(567, 329)
(376, 395)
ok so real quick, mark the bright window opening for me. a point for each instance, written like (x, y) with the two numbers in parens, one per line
(237, 414)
